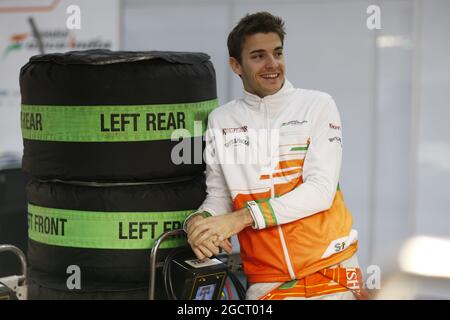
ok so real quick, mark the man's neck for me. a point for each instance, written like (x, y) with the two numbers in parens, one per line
(262, 95)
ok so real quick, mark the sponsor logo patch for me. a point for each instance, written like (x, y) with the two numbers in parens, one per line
(293, 123)
(226, 131)
(237, 142)
(334, 126)
(338, 139)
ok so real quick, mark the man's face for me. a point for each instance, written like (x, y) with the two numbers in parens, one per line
(262, 64)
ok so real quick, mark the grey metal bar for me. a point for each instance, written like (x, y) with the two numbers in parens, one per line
(19, 253)
(164, 236)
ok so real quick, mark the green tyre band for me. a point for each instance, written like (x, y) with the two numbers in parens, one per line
(104, 116)
(106, 231)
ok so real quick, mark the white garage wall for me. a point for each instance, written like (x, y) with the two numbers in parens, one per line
(180, 26)
(391, 220)
(99, 28)
(433, 124)
(391, 87)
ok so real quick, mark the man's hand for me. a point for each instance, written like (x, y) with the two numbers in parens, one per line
(209, 246)
(223, 226)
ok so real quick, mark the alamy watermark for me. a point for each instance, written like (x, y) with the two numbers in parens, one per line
(373, 21)
(372, 278)
(243, 145)
(74, 280)
(73, 21)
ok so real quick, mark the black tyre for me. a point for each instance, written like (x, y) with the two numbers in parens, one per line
(99, 115)
(107, 232)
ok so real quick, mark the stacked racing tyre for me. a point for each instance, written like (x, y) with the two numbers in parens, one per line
(113, 142)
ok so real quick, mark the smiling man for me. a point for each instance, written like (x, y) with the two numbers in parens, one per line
(294, 230)
(260, 64)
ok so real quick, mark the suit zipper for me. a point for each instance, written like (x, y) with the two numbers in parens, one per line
(272, 196)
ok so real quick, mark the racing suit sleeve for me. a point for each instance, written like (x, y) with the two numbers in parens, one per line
(321, 170)
(218, 199)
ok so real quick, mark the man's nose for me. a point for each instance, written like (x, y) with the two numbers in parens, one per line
(272, 63)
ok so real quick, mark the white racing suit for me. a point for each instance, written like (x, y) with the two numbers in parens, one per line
(280, 156)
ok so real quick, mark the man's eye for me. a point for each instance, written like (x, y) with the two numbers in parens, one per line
(279, 54)
(259, 56)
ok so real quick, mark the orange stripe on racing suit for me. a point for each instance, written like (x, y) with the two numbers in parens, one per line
(323, 282)
(306, 239)
(290, 164)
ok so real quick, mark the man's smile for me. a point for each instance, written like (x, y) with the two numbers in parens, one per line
(269, 76)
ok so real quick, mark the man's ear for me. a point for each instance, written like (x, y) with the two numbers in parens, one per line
(235, 66)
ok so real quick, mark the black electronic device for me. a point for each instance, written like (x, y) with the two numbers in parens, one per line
(188, 278)
(196, 279)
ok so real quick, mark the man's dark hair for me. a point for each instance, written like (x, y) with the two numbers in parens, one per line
(260, 22)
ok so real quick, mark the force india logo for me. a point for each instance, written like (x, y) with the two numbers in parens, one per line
(59, 40)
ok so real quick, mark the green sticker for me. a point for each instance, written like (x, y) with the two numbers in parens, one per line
(103, 230)
(288, 285)
(114, 123)
(299, 149)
